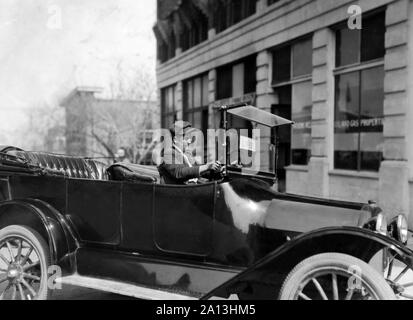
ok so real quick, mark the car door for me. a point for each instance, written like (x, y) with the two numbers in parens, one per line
(93, 208)
(137, 216)
(183, 219)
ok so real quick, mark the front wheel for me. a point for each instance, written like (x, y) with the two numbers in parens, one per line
(335, 276)
(24, 260)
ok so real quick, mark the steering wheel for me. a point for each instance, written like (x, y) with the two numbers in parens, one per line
(218, 176)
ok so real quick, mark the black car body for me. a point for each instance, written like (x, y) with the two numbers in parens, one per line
(235, 236)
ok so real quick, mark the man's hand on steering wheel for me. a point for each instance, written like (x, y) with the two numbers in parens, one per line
(211, 167)
(214, 170)
(215, 166)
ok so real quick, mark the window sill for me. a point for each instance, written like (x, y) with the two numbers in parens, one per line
(359, 66)
(297, 168)
(355, 174)
(296, 80)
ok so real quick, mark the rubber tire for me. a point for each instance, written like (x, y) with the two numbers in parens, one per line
(336, 260)
(42, 250)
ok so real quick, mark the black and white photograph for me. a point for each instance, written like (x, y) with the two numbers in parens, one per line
(220, 151)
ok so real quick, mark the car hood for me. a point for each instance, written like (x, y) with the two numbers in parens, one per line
(254, 203)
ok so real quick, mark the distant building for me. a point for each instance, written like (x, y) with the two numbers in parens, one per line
(97, 127)
(55, 140)
(349, 91)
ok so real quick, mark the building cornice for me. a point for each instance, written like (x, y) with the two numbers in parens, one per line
(277, 24)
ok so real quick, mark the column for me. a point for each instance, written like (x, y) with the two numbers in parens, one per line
(394, 173)
(179, 101)
(322, 114)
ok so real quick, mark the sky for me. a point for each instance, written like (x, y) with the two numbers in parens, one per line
(48, 47)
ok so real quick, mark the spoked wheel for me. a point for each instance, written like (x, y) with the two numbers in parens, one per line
(333, 276)
(24, 260)
(399, 276)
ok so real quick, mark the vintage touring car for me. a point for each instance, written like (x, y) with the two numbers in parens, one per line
(232, 237)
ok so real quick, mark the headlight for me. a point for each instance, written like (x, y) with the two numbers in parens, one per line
(399, 229)
(378, 224)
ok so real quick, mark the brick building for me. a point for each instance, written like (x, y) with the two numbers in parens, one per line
(348, 91)
(97, 127)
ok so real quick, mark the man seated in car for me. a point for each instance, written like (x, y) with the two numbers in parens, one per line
(178, 166)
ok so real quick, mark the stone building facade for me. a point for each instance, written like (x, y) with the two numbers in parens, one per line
(348, 90)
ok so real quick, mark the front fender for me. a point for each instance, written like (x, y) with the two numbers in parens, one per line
(272, 270)
(44, 219)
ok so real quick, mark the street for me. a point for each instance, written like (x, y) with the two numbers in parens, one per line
(77, 293)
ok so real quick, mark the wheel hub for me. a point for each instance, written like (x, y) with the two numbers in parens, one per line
(14, 273)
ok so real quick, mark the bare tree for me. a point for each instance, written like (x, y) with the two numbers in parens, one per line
(99, 126)
(45, 129)
(126, 116)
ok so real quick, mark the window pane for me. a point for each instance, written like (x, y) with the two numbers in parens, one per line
(372, 37)
(301, 115)
(251, 7)
(302, 58)
(190, 95)
(221, 17)
(347, 47)
(372, 98)
(371, 118)
(347, 100)
(186, 93)
(205, 91)
(224, 82)
(237, 11)
(204, 27)
(347, 121)
(371, 149)
(166, 97)
(197, 120)
(197, 93)
(163, 101)
(284, 95)
(282, 64)
(238, 80)
(185, 45)
(205, 115)
(250, 75)
(171, 98)
(217, 119)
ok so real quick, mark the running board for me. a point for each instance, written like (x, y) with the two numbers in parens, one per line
(121, 288)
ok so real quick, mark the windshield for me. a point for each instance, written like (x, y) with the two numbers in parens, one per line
(250, 146)
(255, 148)
(259, 116)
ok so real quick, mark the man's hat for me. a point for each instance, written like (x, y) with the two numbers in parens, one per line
(180, 128)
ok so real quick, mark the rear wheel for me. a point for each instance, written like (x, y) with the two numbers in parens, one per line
(334, 276)
(24, 262)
